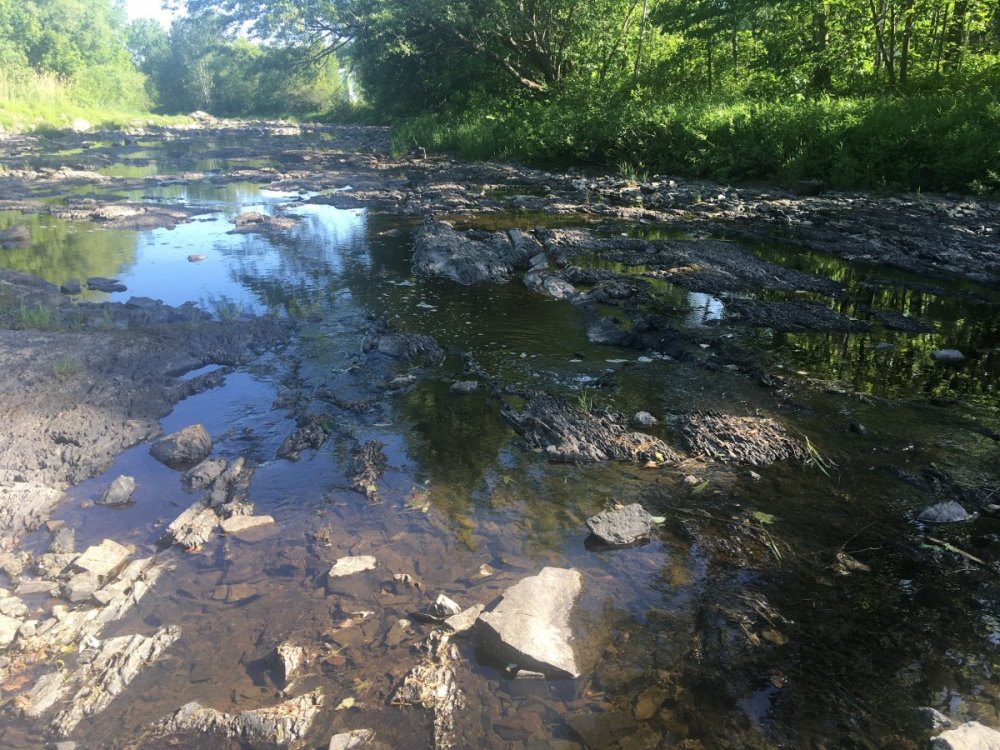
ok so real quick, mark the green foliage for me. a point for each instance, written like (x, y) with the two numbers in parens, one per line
(931, 142)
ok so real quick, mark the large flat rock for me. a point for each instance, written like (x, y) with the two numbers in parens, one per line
(530, 625)
(969, 736)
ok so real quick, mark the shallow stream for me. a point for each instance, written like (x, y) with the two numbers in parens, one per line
(738, 609)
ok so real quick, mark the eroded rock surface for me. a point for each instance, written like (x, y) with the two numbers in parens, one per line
(758, 441)
(566, 432)
(471, 257)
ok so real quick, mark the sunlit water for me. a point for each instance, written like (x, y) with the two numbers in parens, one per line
(834, 661)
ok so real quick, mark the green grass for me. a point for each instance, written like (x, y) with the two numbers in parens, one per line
(38, 316)
(30, 101)
(940, 142)
(65, 367)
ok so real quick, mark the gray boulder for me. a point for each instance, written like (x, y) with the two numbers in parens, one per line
(119, 492)
(184, 448)
(73, 286)
(550, 284)
(644, 419)
(620, 527)
(947, 355)
(947, 512)
(530, 625)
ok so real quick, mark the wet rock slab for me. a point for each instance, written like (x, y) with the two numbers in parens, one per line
(530, 625)
(471, 257)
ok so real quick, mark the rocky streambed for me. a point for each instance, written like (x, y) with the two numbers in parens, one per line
(311, 446)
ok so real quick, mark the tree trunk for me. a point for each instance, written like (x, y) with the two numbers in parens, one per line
(708, 62)
(822, 79)
(642, 36)
(904, 53)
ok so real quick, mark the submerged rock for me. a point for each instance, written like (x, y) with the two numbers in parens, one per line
(947, 512)
(758, 441)
(184, 448)
(969, 736)
(119, 492)
(432, 684)
(471, 257)
(947, 355)
(348, 566)
(17, 236)
(620, 527)
(530, 625)
(237, 524)
(367, 466)
(73, 286)
(284, 724)
(465, 386)
(117, 662)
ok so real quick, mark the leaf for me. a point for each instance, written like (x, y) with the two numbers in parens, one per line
(762, 517)
(348, 702)
(660, 457)
(658, 519)
(700, 488)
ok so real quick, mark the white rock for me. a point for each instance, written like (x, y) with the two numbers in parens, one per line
(8, 630)
(530, 625)
(969, 736)
(348, 566)
(355, 739)
(236, 524)
(102, 559)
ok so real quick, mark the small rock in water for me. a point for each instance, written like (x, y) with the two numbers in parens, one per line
(197, 258)
(622, 526)
(63, 541)
(947, 512)
(648, 702)
(465, 386)
(347, 566)
(969, 736)
(644, 419)
(947, 355)
(184, 448)
(464, 620)
(73, 286)
(285, 661)
(119, 492)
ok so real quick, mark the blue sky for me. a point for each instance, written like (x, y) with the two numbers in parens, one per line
(148, 9)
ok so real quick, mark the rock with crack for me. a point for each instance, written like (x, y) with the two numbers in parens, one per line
(183, 449)
(530, 625)
(367, 466)
(567, 432)
(117, 662)
(471, 257)
(432, 684)
(757, 441)
(286, 723)
(621, 527)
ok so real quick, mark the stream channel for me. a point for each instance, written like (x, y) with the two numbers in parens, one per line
(799, 604)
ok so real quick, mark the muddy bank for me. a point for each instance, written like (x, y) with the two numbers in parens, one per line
(83, 382)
